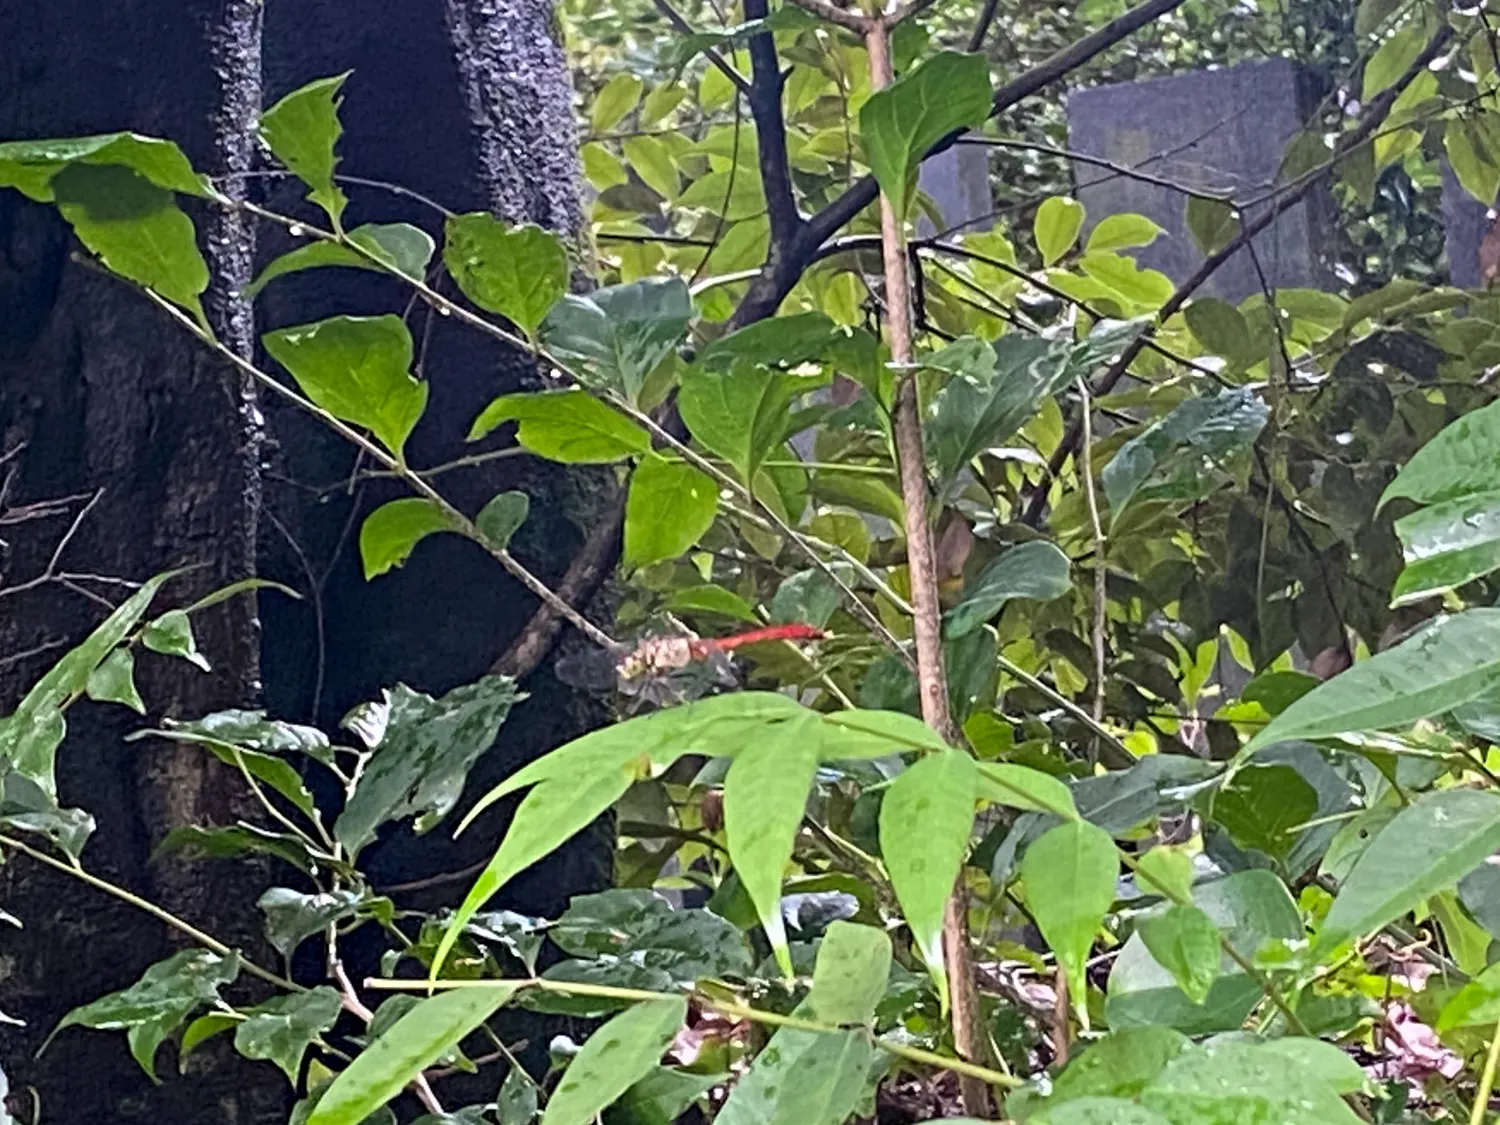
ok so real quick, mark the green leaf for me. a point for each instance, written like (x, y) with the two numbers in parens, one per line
(279, 775)
(1185, 942)
(1462, 460)
(874, 734)
(1183, 455)
(281, 1029)
(624, 1050)
(1213, 223)
(1447, 545)
(741, 415)
(516, 1103)
(1229, 1081)
(1019, 787)
(635, 927)
(235, 842)
(711, 599)
(518, 272)
(30, 735)
(1056, 227)
(194, 1034)
(851, 974)
(802, 1078)
(294, 916)
(419, 1038)
(616, 336)
(1372, 13)
(653, 163)
(1141, 290)
(29, 166)
(668, 508)
(925, 821)
(395, 246)
(1468, 150)
(426, 749)
(809, 597)
(570, 426)
(1166, 871)
(301, 131)
(1222, 330)
(1427, 847)
(1447, 664)
(1477, 1002)
(502, 517)
(765, 793)
(899, 124)
(171, 634)
(1102, 1111)
(1035, 570)
(136, 229)
(1121, 232)
(1394, 57)
(26, 807)
(618, 97)
(253, 731)
(392, 531)
(782, 341)
(1070, 878)
(1250, 908)
(358, 368)
(157, 1004)
(113, 681)
(663, 1096)
(1120, 1065)
(1265, 807)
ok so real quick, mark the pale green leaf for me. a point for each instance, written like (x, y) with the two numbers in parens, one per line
(1070, 885)
(1122, 232)
(618, 97)
(613, 1058)
(29, 166)
(765, 793)
(1447, 664)
(925, 821)
(1185, 942)
(668, 508)
(850, 975)
(1019, 787)
(113, 681)
(1426, 847)
(393, 246)
(1056, 227)
(432, 1028)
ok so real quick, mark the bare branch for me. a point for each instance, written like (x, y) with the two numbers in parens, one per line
(764, 96)
(826, 9)
(781, 272)
(682, 27)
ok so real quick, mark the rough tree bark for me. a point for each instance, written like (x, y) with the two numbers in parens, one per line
(466, 101)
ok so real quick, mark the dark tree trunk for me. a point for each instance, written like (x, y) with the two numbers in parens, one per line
(464, 101)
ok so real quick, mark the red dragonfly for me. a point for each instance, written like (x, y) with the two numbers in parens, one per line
(670, 667)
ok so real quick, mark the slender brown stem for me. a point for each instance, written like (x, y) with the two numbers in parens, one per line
(927, 620)
(1086, 467)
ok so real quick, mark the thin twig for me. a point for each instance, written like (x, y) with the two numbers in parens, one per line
(682, 27)
(1101, 603)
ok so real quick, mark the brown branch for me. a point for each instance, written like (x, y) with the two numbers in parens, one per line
(1374, 115)
(594, 561)
(782, 271)
(826, 9)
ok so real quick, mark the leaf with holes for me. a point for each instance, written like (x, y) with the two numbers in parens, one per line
(301, 130)
(519, 272)
(358, 368)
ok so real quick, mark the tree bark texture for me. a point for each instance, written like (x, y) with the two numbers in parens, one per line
(465, 101)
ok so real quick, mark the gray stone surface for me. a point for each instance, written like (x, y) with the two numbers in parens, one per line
(957, 180)
(1465, 220)
(1221, 130)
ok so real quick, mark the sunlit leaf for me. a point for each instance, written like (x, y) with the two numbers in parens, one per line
(1056, 227)
(519, 272)
(393, 246)
(301, 130)
(1070, 877)
(571, 426)
(668, 508)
